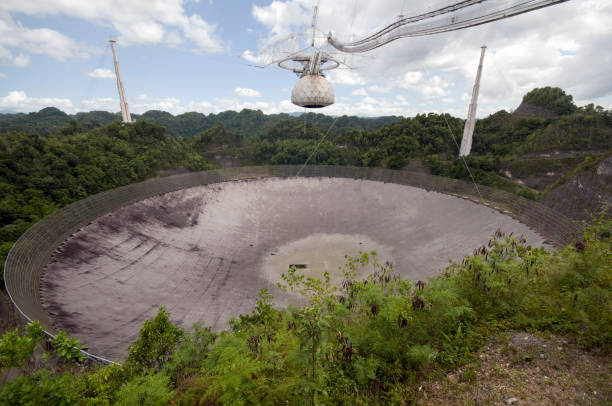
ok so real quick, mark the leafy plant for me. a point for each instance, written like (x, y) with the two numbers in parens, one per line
(157, 340)
(16, 350)
(192, 350)
(40, 388)
(68, 348)
(148, 390)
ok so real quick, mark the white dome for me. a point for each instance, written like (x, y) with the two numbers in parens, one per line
(312, 91)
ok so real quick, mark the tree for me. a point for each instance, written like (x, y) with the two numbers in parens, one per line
(157, 339)
(16, 350)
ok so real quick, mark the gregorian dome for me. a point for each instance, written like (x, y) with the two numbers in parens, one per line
(312, 91)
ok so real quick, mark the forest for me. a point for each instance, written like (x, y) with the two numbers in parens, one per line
(365, 342)
(41, 171)
(39, 174)
(248, 123)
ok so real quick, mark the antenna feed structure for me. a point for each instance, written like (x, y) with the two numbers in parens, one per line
(312, 90)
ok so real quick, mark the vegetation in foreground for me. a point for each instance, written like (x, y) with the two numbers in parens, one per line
(371, 341)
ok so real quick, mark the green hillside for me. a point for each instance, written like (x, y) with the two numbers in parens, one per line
(365, 342)
(248, 123)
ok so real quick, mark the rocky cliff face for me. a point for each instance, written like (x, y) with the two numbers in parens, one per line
(533, 110)
(586, 193)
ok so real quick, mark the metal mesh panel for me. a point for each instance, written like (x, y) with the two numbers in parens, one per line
(28, 257)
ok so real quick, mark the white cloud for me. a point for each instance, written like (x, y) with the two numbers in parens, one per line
(411, 79)
(101, 74)
(19, 101)
(346, 77)
(5, 54)
(223, 104)
(250, 56)
(136, 22)
(22, 60)
(101, 103)
(41, 41)
(359, 92)
(379, 89)
(282, 17)
(566, 45)
(368, 106)
(202, 34)
(141, 32)
(173, 39)
(246, 92)
(200, 106)
(2, 75)
(429, 87)
(374, 107)
(144, 102)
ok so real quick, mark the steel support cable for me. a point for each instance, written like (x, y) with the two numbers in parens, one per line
(413, 19)
(521, 8)
(472, 22)
(317, 146)
(464, 162)
(404, 21)
(448, 27)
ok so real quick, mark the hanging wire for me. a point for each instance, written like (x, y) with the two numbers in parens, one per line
(354, 14)
(418, 25)
(92, 81)
(304, 114)
(467, 167)
(317, 146)
(351, 29)
(401, 15)
(450, 130)
(500, 74)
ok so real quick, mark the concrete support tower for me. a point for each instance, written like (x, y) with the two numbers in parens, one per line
(468, 130)
(125, 110)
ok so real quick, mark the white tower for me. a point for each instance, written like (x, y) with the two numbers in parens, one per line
(125, 110)
(468, 130)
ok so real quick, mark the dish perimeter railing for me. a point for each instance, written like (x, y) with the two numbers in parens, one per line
(28, 257)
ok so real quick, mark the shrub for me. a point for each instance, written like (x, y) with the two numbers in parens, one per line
(147, 390)
(157, 340)
(68, 348)
(40, 388)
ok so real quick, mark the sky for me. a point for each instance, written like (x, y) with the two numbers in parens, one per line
(181, 56)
